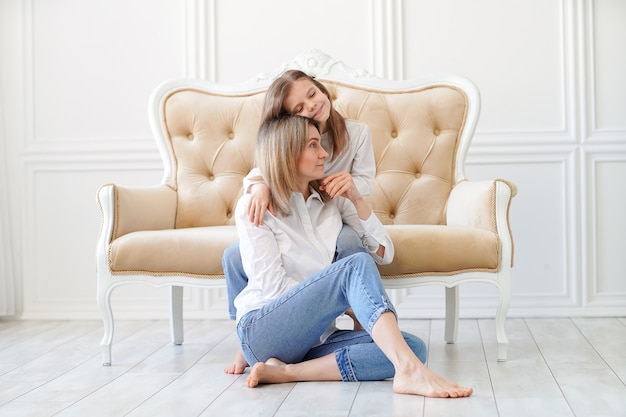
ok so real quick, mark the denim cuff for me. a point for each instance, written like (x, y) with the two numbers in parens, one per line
(385, 307)
(342, 356)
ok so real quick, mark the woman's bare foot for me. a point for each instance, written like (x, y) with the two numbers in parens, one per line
(423, 381)
(238, 366)
(272, 371)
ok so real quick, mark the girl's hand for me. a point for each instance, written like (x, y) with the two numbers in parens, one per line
(341, 184)
(259, 203)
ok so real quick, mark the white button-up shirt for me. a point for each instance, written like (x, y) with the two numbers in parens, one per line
(286, 250)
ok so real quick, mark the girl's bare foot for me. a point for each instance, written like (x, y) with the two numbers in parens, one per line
(272, 371)
(238, 366)
(422, 381)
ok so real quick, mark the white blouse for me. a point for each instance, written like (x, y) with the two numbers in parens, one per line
(286, 250)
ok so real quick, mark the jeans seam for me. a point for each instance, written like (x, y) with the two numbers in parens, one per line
(342, 357)
(352, 372)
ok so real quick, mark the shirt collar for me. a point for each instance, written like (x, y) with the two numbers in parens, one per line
(314, 196)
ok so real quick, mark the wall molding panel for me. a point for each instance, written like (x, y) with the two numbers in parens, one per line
(568, 132)
(7, 279)
(387, 39)
(200, 39)
(571, 72)
(60, 224)
(598, 19)
(606, 228)
(28, 94)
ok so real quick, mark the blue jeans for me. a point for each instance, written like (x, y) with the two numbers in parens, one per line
(289, 327)
(348, 242)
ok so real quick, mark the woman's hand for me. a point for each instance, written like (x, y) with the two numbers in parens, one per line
(259, 203)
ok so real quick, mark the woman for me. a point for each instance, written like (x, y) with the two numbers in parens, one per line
(295, 291)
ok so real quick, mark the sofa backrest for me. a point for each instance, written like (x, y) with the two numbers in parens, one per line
(210, 138)
(420, 133)
(415, 135)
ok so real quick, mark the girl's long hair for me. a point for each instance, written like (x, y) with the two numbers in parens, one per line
(275, 97)
(280, 143)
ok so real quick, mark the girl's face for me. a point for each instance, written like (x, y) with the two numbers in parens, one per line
(311, 160)
(305, 99)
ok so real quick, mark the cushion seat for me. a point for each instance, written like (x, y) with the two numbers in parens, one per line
(192, 251)
(197, 251)
(439, 249)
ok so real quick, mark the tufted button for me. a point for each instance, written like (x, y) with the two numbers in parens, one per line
(190, 136)
(394, 134)
(229, 214)
(211, 177)
(391, 215)
(418, 174)
(436, 132)
(231, 135)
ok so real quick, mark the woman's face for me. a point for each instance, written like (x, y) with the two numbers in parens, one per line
(311, 161)
(305, 99)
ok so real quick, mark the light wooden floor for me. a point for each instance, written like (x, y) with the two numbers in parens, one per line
(557, 367)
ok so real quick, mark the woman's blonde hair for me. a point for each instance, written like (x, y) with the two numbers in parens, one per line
(280, 142)
(273, 107)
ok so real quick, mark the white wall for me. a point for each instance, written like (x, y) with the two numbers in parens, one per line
(75, 77)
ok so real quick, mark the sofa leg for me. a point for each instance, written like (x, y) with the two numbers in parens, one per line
(452, 314)
(104, 304)
(106, 354)
(176, 314)
(503, 351)
(503, 308)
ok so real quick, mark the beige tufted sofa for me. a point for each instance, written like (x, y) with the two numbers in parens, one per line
(446, 230)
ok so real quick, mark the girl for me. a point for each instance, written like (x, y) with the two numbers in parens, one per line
(295, 291)
(348, 142)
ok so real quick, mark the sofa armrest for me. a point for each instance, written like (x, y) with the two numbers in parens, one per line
(130, 209)
(480, 203)
(483, 204)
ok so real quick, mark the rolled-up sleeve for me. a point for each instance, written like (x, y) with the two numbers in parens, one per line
(372, 232)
